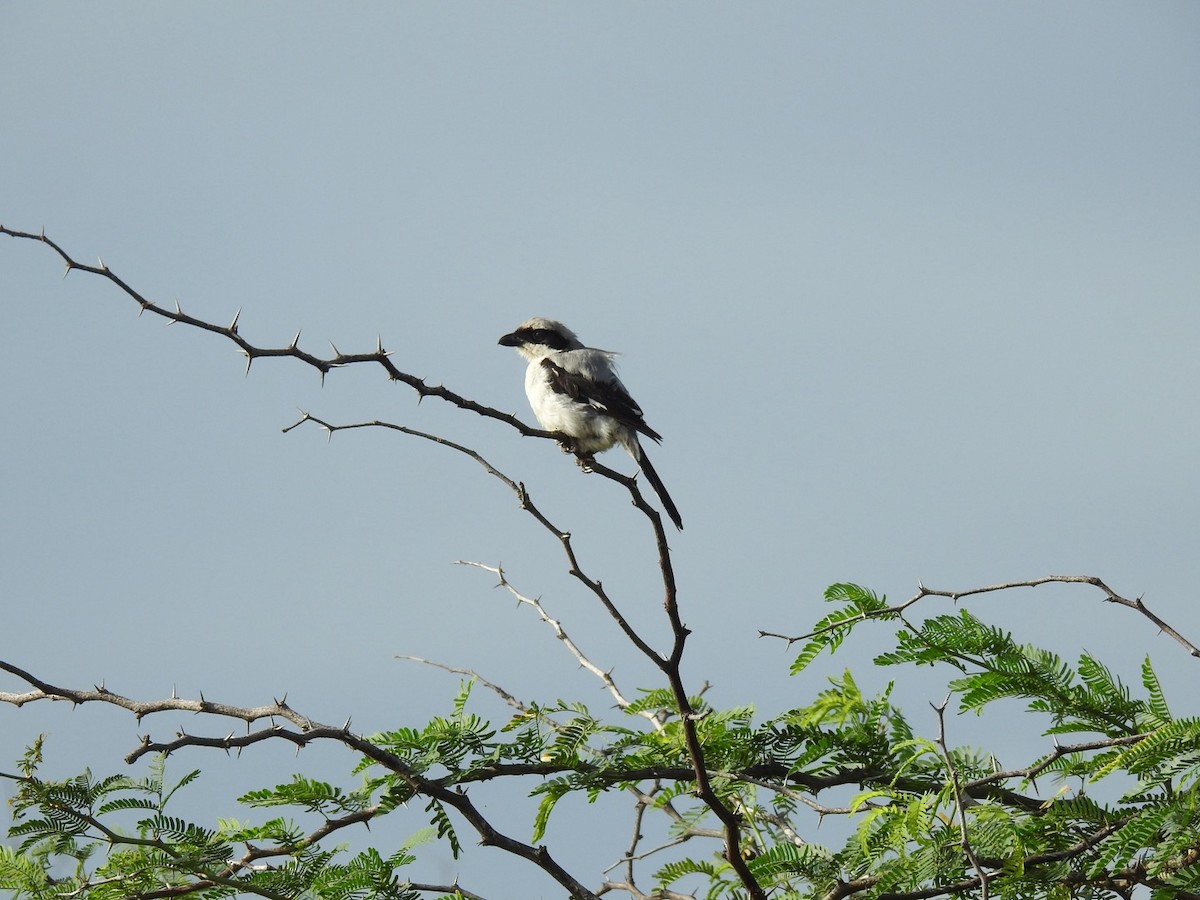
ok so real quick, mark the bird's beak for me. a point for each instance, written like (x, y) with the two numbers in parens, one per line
(510, 340)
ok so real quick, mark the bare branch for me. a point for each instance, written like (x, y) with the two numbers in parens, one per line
(892, 611)
(512, 700)
(559, 632)
(960, 801)
(45, 691)
(1059, 751)
(324, 365)
(527, 504)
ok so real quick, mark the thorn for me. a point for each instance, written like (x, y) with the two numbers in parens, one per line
(233, 325)
(70, 266)
(174, 692)
(295, 341)
(322, 378)
(103, 267)
(346, 727)
(379, 345)
(178, 314)
(337, 354)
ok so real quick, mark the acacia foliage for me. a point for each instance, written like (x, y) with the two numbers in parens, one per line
(1109, 804)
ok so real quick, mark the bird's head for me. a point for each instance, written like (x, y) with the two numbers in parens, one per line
(540, 337)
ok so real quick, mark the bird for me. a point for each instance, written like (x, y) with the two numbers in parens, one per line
(575, 391)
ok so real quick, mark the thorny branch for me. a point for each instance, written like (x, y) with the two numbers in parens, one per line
(559, 632)
(668, 665)
(960, 803)
(1110, 596)
(527, 504)
(324, 365)
(306, 731)
(644, 799)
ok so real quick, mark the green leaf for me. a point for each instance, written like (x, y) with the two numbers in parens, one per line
(1157, 701)
(445, 828)
(554, 791)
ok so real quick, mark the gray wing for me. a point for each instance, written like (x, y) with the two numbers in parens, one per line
(600, 389)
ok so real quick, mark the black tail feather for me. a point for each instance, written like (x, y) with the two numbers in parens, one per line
(656, 483)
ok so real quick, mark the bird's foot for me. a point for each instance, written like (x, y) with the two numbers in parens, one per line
(585, 462)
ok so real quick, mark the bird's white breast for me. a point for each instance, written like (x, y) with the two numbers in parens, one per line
(591, 429)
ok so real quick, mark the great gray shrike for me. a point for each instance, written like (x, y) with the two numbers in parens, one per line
(575, 390)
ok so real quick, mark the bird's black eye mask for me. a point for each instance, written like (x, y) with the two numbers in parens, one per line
(545, 336)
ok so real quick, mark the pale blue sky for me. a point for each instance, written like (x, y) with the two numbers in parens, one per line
(911, 290)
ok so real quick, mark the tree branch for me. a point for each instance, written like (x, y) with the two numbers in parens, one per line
(310, 730)
(960, 801)
(1111, 596)
(325, 364)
